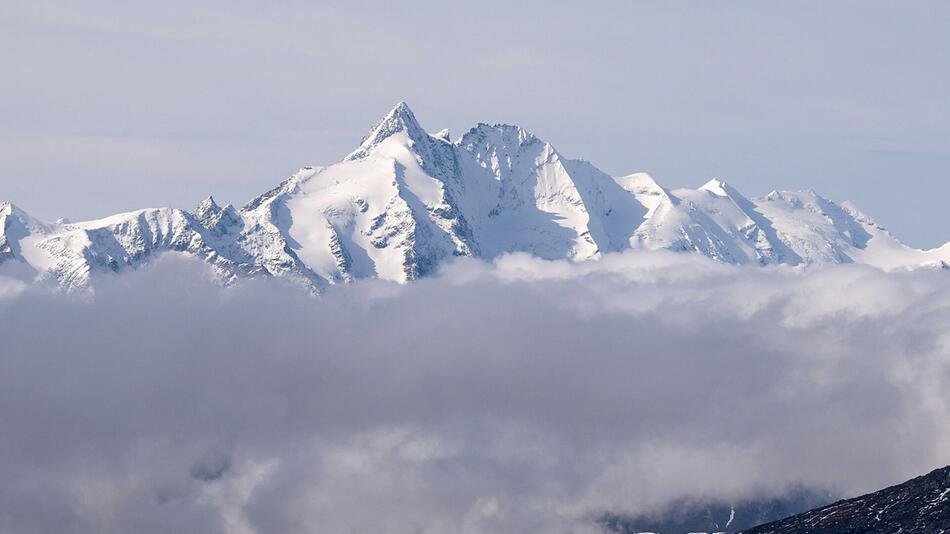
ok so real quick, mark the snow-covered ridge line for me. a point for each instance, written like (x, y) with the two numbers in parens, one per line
(405, 201)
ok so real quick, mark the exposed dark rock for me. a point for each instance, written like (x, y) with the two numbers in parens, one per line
(918, 506)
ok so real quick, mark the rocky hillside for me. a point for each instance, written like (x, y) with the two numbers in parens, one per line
(918, 506)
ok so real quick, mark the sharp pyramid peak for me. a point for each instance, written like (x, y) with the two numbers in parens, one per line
(208, 204)
(207, 208)
(399, 119)
(400, 112)
(401, 107)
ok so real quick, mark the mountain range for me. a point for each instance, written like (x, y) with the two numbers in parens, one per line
(406, 201)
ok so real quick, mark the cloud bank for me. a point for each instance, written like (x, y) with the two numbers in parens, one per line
(518, 396)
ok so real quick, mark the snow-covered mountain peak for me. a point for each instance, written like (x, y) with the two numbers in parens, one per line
(215, 218)
(508, 136)
(399, 119)
(14, 225)
(718, 187)
(8, 208)
(207, 208)
(503, 148)
(807, 200)
(641, 182)
(10, 212)
(646, 190)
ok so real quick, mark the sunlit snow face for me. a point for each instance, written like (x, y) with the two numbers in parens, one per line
(520, 396)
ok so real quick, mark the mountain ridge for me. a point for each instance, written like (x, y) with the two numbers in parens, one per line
(405, 201)
(920, 505)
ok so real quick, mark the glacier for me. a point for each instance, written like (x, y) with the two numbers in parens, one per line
(406, 201)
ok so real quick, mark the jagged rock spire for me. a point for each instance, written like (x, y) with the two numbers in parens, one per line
(207, 209)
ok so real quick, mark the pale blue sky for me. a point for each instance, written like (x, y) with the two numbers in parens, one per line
(114, 105)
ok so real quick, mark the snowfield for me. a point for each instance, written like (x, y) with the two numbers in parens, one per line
(406, 201)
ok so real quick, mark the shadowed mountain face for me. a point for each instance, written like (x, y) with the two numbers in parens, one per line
(918, 506)
(406, 201)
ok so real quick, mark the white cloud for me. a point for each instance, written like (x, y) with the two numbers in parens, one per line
(518, 396)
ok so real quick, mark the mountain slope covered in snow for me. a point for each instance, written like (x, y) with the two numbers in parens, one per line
(405, 201)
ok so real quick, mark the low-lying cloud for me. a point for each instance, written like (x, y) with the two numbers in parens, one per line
(520, 396)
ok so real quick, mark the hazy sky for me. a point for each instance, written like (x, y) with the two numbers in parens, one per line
(114, 105)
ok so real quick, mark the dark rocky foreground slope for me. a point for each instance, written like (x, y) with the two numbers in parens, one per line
(918, 506)
(686, 516)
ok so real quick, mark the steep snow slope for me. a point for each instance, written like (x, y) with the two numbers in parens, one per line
(522, 197)
(714, 220)
(405, 201)
(820, 231)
